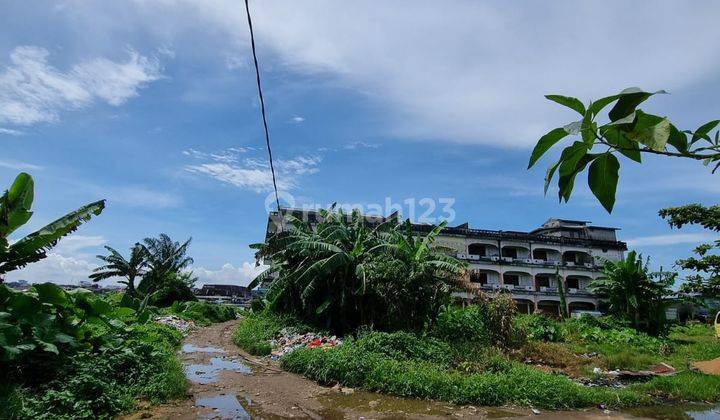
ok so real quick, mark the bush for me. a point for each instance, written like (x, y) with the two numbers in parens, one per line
(605, 332)
(356, 364)
(402, 346)
(488, 321)
(455, 323)
(255, 330)
(203, 313)
(103, 384)
(539, 327)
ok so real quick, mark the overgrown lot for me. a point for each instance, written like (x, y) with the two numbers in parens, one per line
(540, 363)
(78, 355)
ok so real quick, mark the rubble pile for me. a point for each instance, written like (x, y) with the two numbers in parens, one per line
(176, 322)
(290, 340)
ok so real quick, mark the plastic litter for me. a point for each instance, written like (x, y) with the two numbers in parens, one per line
(178, 323)
(290, 340)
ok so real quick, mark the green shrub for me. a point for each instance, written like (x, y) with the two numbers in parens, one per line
(402, 346)
(101, 385)
(605, 331)
(488, 321)
(354, 365)
(539, 327)
(455, 323)
(203, 313)
(99, 364)
(255, 330)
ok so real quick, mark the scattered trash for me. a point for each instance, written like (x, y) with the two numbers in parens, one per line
(536, 411)
(601, 406)
(176, 322)
(289, 340)
(708, 367)
(347, 391)
(611, 377)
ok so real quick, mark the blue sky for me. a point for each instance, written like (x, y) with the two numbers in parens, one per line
(152, 105)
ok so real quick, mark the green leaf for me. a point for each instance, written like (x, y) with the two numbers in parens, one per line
(567, 182)
(32, 248)
(51, 293)
(15, 205)
(588, 130)
(703, 130)
(49, 347)
(571, 159)
(628, 100)
(629, 119)
(597, 106)
(571, 156)
(573, 128)
(568, 101)
(603, 179)
(627, 147)
(545, 143)
(678, 139)
(549, 174)
(650, 130)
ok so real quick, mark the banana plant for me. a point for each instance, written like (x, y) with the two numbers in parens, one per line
(15, 211)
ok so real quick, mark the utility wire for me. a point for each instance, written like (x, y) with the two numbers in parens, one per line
(262, 108)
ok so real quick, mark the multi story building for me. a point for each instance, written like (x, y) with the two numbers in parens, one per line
(529, 265)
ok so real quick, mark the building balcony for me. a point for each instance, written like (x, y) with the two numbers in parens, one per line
(525, 261)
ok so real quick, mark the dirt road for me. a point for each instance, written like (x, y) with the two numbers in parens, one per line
(226, 382)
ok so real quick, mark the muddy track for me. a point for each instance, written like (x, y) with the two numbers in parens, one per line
(226, 382)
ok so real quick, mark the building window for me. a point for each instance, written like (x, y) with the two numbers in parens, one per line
(573, 283)
(478, 277)
(509, 252)
(543, 281)
(540, 254)
(477, 249)
(513, 279)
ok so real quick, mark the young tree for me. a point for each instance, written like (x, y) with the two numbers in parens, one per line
(166, 261)
(343, 273)
(15, 205)
(706, 280)
(633, 293)
(628, 131)
(117, 266)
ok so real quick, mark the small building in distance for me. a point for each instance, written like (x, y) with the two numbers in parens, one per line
(225, 290)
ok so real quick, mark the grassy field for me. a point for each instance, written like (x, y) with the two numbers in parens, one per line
(542, 366)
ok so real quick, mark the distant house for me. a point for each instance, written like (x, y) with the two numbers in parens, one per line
(228, 290)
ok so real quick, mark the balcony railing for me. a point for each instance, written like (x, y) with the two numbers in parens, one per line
(526, 261)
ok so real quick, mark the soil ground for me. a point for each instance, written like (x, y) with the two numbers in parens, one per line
(270, 393)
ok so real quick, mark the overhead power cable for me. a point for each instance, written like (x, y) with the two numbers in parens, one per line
(262, 106)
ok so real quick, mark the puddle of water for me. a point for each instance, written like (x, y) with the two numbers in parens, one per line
(192, 348)
(205, 374)
(678, 412)
(224, 407)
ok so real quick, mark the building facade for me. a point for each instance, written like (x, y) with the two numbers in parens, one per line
(529, 265)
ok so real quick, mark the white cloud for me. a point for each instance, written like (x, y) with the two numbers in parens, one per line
(228, 274)
(74, 243)
(19, 166)
(475, 71)
(11, 132)
(672, 239)
(33, 91)
(298, 119)
(142, 197)
(252, 173)
(56, 269)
